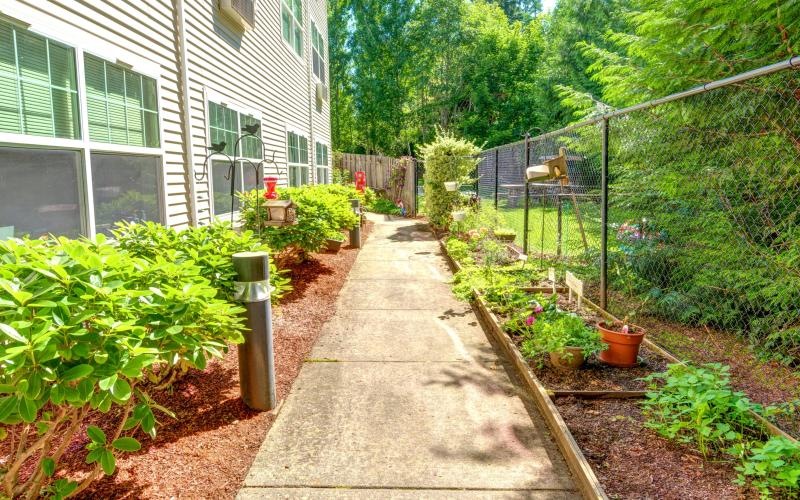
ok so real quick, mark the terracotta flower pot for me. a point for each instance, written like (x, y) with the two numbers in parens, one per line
(571, 359)
(623, 348)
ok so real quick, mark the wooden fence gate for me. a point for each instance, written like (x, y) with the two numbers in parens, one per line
(393, 178)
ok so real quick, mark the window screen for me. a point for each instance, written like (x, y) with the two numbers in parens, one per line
(126, 188)
(39, 192)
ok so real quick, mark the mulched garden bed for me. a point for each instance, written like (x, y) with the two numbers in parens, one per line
(207, 451)
(633, 462)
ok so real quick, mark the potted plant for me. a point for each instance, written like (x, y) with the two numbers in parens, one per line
(505, 234)
(334, 241)
(451, 185)
(623, 343)
(564, 337)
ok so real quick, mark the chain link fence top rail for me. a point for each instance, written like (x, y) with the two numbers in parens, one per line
(703, 205)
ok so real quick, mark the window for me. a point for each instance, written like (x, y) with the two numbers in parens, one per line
(44, 183)
(297, 154)
(225, 124)
(323, 168)
(292, 19)
(38, 86)
(121, 105)
(39, 192)
(318, 53)
(125, 188)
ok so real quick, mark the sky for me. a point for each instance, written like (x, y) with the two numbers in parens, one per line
(547, 5)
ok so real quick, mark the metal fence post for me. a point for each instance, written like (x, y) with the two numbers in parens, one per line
(527, 194)
(256, 358)
(604, 220)
(496, 175)
(559, 233)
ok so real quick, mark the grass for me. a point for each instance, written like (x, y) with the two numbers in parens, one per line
(544, 221)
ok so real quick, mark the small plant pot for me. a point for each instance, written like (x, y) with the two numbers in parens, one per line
(508, 238)
(333, 245)
(623, 348)
(451, 186)
(571, 359)
(459, 215)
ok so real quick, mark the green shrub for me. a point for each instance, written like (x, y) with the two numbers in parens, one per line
(773, 468)
(209, 247)
(321, 209)
(83, 324)
(697, 405)
(446, 159)
(384, 206)
(459, 251)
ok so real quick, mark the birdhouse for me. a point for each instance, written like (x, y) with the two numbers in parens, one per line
(555, 168)
(280, 213)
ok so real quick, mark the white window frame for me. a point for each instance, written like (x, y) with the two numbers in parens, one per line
(327, 166)
(82, 43)
(322, 55)
(282, 4)
(289, 166)
(209, 96)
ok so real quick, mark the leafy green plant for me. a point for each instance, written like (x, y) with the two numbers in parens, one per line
(504, 231)
(83, 326)
(209, 247)
(384, 206)
(459, 251)
(773, 468)
(557, 330)
(447, 158)
(697, 405)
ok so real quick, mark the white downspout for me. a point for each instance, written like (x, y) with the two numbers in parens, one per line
(312, 96)
(186, 119)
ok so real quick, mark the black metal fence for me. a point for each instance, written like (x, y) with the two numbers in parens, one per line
(687, 207)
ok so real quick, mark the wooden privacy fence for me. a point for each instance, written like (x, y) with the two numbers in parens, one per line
(393, 178)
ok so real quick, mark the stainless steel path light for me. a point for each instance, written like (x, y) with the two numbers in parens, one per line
(256, 358)
(355, 233)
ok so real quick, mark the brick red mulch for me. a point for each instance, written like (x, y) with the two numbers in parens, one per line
(207, 451)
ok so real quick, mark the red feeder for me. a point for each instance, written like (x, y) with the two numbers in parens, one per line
(271, 183)
(361, 180)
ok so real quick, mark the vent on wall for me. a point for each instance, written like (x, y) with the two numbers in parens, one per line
(243, 12)
(322, 92)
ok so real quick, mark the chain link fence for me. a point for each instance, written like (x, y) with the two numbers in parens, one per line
(703, 206)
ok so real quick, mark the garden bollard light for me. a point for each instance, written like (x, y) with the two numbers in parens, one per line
(256, 360)
(355, 233)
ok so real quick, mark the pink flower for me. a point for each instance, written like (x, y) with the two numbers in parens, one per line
(625, 329)
(538, 309)
(530, 320)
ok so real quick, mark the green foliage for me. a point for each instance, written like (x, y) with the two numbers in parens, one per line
(556, 330)
(446, 159)
(773, 468)
(321, 210)
(504, 231)
(384, 206)
(209, 247)
(697, 405)
(459, 251)
(83, 324)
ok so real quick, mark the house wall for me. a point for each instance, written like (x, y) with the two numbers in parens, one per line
(255, 69)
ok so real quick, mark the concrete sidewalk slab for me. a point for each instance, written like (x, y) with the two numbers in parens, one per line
(391, 425)
(404, 395)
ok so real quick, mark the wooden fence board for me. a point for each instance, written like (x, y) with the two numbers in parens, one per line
(378, 170)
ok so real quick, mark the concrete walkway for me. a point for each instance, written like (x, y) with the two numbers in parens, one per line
(404, 396)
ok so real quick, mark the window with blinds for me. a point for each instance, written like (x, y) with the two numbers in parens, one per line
(38, 85)
(122, 106)
(318, 53)
(297, 154)
(292, 19)
(225, 124)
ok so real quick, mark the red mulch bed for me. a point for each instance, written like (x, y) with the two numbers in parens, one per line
(633, 462)
(207, 451)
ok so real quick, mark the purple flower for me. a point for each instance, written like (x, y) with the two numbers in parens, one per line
(530, 320)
